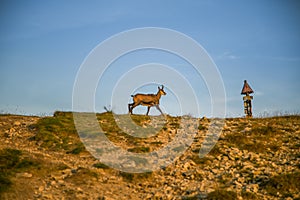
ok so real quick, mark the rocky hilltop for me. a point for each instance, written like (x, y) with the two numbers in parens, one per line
(44, 158)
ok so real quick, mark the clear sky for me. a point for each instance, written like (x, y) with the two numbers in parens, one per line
(43, 44)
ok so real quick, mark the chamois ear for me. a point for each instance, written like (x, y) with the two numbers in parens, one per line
(162, 86)
(158, 87)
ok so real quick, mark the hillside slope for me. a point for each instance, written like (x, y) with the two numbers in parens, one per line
(43, 158)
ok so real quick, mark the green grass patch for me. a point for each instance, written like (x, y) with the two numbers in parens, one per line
(58, 132)
(27, 163)
(12, 162)
(9, 158)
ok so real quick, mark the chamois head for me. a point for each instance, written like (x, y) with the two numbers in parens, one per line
(161, 90)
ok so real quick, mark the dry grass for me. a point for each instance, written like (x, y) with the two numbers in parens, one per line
(58, 134)
(262, 135)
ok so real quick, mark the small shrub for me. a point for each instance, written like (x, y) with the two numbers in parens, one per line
(62, 166)
(9, 158)
(127, 176)
(139, 149)
(80, 148)
(249, 195)
(156, 143)
(26, 163)
(100, 165)
(175, 125)
(221, 194)
(135, 176)
(201, 127)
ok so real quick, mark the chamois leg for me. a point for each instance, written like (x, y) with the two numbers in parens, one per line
(129, 107)
(158, 108)
(148, 109)
(133, 105)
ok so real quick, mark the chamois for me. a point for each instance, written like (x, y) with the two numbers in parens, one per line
(148, 100)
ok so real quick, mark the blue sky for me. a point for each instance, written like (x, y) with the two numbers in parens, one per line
(43, 44)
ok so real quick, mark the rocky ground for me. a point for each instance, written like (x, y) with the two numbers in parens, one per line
(43, 158)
